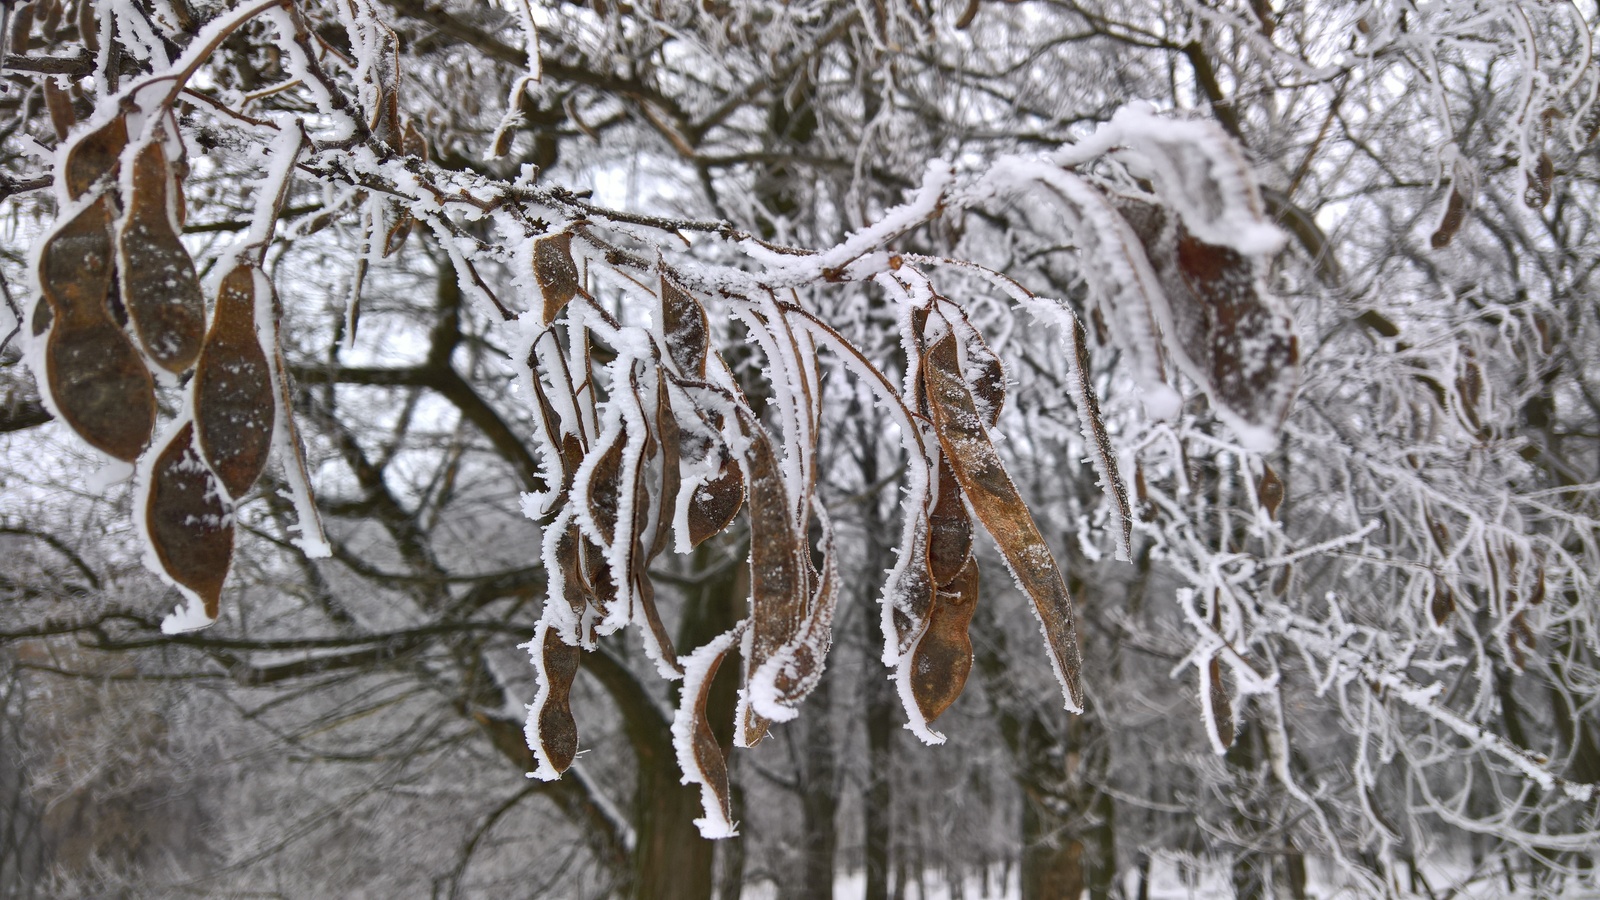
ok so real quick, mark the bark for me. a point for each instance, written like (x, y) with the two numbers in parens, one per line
(819, 799)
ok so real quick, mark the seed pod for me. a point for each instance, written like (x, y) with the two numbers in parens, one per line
(1455, 212)
(605, 489)
(997, 505)
(949, 530)
(778, 570)
(95, 376)
(1444, 602)
(943, 658)
(715, 503)
(552, 729)
(683, 322)
(58, 101)
(160, 289)
(95, 155)
(234, 406)
(1270, 491)
(189, 520)
(556, 272)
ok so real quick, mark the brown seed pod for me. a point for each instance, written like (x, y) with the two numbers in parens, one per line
(605, 489)
(58, 101)
(189, 521)
(949, 530)
(1455, 213)
(1444, 602)
(1270, 491)
(943, 658)
(160, 289)
(557, 273)
(554, 728)
(715, 503)
(95, 155)
(234, 405)
(705, 763)
(994, 500)
(683, 322)
(94, 374)
(778, 568)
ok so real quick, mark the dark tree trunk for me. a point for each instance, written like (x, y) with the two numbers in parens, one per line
(1052, 862)
(819, 799)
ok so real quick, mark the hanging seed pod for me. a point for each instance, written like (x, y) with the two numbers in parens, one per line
(778, 570)
(94, 374)
(1270, 491)
(557, 274)
(58, 101)
(189, 520)
(605, 489)
(943, 658)
(683, 322)
(715, 503)
(160, 289)
(399, 231)
(1455, 213)
(1444, 602)
(995, 501)
(949, 530)
(95, 155)
(695, 744)
(552, 729)
(234, 405)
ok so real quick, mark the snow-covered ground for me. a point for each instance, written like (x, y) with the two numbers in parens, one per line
(1169, 881)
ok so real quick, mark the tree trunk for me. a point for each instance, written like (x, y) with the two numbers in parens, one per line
(672, 861)
(1052, 862)
(819, 799)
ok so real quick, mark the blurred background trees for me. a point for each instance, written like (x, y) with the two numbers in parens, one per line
(1388, 619)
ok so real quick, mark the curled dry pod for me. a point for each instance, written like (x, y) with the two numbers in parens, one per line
(995, 501)
(804, 657)
(189, 520)
(1455, 212)
(557, 274)
(398, 232)
(695, 744)
(715, 503)
(58, 101)
(1444, 602)
(683, 322)
(1270, 491)
(605, 489)
(552, 730)
(160, 289)
(94, 155)
(778, 570)
(986, 377)
(234, 406)
(96, 378)
(670, 440)
(943, 658)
